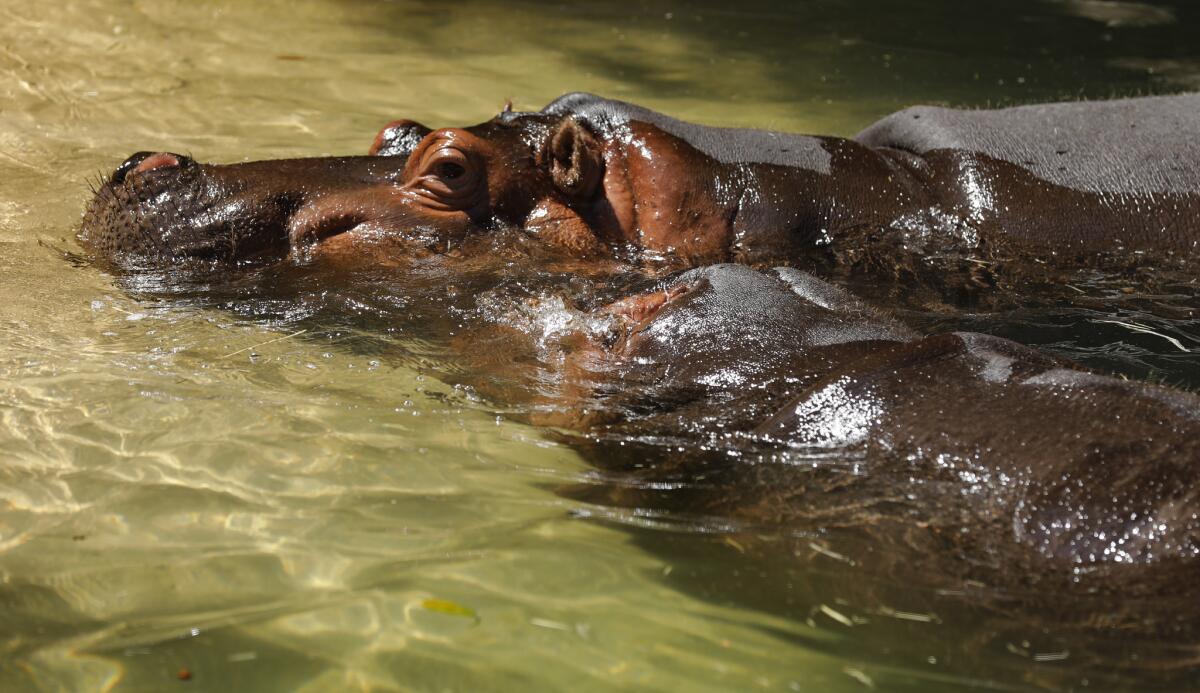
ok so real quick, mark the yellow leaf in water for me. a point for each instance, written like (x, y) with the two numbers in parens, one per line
(445, 606)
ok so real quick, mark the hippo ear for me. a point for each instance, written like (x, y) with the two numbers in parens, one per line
(398, 138)
(574, 158)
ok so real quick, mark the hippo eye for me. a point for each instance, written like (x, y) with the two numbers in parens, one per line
(447, 168)
(450, 170)
(448, 176)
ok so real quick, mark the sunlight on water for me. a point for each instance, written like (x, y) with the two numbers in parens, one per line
(265, 506)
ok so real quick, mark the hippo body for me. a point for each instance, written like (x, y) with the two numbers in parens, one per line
(809, 453)
(940, 194)
(1076, 468)
(1068, 183)
(770, 402)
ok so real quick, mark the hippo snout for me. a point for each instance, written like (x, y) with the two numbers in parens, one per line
(163, 208)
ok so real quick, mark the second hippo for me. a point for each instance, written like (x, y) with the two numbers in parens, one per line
(956, 498)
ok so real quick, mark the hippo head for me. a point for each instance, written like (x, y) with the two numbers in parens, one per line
(576, 177)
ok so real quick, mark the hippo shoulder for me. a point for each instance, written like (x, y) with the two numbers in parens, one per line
(856, 320)
(726, 145)
(745, 314)
(821, 313)
(1149, 144)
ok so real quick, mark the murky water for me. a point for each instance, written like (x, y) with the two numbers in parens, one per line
(274, 493)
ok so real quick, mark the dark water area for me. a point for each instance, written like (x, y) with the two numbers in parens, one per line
(866, 59)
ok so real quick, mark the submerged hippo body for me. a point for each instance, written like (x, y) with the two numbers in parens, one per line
(1080, 469)
(813, 458)
(924, 190)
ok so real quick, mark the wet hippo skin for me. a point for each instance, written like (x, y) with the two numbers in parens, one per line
(960, 195)
(1077, 468)
(815, 453)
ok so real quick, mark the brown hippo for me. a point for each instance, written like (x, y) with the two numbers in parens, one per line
(944, 194)
(1079, 468)
(958, 477)
(814, 457)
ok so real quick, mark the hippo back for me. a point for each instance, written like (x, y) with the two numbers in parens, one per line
(727, 145)
(1144, 145)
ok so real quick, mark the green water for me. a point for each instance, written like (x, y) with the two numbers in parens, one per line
(186, 487)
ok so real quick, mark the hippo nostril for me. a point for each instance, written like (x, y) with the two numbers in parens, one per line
(162, 160)
(147, 161)
(128, 165)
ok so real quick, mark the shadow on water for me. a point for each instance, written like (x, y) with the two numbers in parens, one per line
(1113, 324)
(876, 56)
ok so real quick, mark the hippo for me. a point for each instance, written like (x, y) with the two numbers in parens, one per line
(747, 393)
(811, 451)
(979, 198)
(789, 361)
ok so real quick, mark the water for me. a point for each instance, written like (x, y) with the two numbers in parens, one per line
(272, 493)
